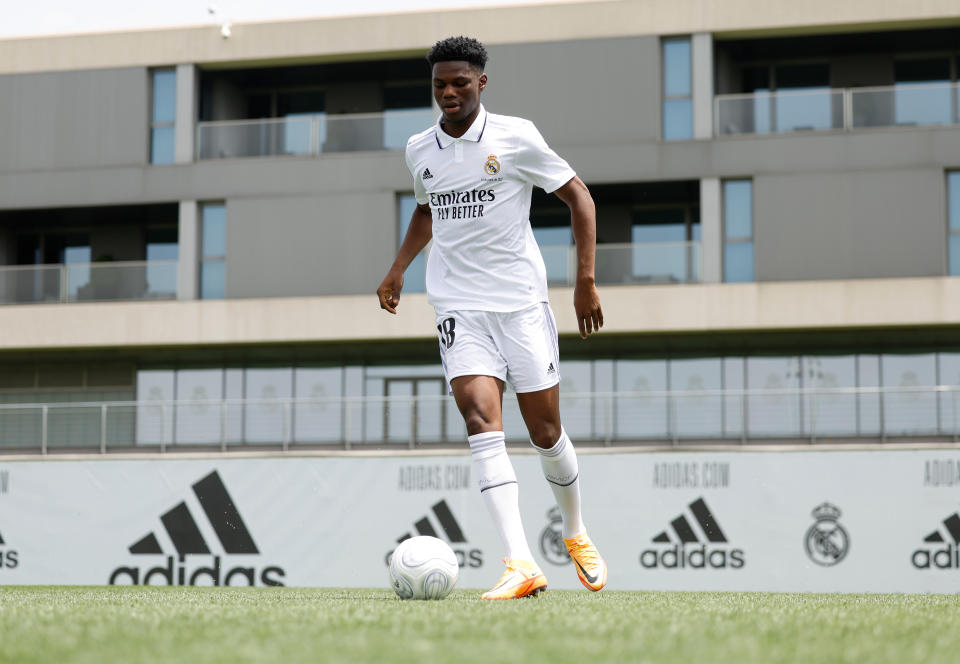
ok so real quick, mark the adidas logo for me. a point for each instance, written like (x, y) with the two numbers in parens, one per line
(466, 557)
(551, 369)
(426, 174)
(187, 539)
(682, 550)
(947, 557)
(8, 559)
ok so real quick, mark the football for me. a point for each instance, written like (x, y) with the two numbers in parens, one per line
(423, 568)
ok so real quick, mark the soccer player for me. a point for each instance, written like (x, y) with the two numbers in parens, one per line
(473, 174)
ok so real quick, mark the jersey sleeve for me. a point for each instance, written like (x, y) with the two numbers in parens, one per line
(419, 191)
(538, 163)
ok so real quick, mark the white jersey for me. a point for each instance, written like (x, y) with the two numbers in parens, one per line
(484, 256)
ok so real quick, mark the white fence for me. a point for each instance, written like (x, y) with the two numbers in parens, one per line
(674, 418)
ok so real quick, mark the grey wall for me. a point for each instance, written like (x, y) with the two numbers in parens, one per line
(850, 225)
(72, 119)
(338, 244)
(592, 91)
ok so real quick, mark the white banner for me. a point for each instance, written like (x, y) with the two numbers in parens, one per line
(824, 521)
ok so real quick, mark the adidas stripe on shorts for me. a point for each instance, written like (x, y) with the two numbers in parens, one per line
(519, 347)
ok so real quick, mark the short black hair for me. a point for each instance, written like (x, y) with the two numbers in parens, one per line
(467, 49)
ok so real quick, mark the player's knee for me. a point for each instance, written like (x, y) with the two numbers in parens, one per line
(544, 434)
(478, 421)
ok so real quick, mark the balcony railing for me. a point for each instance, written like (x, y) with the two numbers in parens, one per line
(628, 263)
(907, 104)
(89, 282)
(309, 135)
(675, 418)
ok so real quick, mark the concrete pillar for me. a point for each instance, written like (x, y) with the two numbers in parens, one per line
(186, 117)
(188, 271)
(701, 55)
(711, 232)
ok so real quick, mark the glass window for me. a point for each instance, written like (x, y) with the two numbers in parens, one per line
(738, 265)
(677, 90)
(198, 421)
(642, 411)
(154, 407)
(575, 379)
(734, 402)
(778, 412)
(317, 414)
(805, 101)
(827, 409)
(213, 250)
(908, 410)
(948, 374)
(267, 415)
(953, 223)
(162, 252)
(922, 92)
(556, 247)
(415, 278)
(697, 412)
(868, 375)
(163, 116)
(405, 108)
(659, 238)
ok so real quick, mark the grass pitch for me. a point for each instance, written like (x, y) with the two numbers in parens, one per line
(70, 624)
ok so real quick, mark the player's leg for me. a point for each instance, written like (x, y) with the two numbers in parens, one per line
(475, 370)
(529, 342)
(480, 399)
(541, 413)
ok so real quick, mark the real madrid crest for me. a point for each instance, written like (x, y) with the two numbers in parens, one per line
(826, 541)
(492, 166)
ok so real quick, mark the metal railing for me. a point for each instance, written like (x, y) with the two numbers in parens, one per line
(89, 282)
(628, 263)
(309, 135)
(675, 418)
(823, 109)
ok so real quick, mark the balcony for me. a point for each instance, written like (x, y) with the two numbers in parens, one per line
(791, 111)
(626, 263)
(310, 135)
(89, 282)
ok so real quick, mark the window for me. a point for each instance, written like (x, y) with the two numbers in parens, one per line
(953, 223)
(677, 90)
(738, 230)
(162, 252)
(922, 92)
(163, 116)
(213, 248)
(665, 241)
(415, 278)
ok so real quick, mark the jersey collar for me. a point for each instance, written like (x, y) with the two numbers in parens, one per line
(472, 134)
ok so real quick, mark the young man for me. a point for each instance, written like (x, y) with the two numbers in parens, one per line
(473, 175)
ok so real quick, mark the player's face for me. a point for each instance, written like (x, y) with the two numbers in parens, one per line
(456, 87)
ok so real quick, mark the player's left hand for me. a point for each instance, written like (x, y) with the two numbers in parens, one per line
(586, 302)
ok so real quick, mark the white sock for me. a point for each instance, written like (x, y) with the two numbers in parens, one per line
(560, 467)
(498, 486)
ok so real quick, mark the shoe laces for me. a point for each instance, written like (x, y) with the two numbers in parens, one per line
(584, 549)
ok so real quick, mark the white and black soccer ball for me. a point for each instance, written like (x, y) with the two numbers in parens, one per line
(423, 568)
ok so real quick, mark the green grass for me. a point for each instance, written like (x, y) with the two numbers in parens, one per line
(69, 624)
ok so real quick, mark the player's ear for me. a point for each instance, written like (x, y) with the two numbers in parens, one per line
(483, 81)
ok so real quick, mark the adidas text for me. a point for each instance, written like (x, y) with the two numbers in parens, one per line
(212, 575)
(465, 557)
(701, 557)
(8, 559)
(945, 558)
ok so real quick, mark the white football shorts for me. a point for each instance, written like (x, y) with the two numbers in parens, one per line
(519, 347)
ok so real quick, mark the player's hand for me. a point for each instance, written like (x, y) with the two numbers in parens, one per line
(586, 302)
(389, 291)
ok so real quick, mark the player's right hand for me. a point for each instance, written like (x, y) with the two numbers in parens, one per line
(389, 291)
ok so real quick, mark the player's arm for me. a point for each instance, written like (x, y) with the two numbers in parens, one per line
(583, 219)
(419, 233)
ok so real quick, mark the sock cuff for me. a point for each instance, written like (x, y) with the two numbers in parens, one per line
(487, 443)
(558, 448)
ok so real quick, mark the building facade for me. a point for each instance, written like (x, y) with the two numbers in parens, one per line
(192, 226)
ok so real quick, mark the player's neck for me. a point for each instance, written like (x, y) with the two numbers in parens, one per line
(458, 129)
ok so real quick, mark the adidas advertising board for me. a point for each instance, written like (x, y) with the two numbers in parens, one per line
(812, 520)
